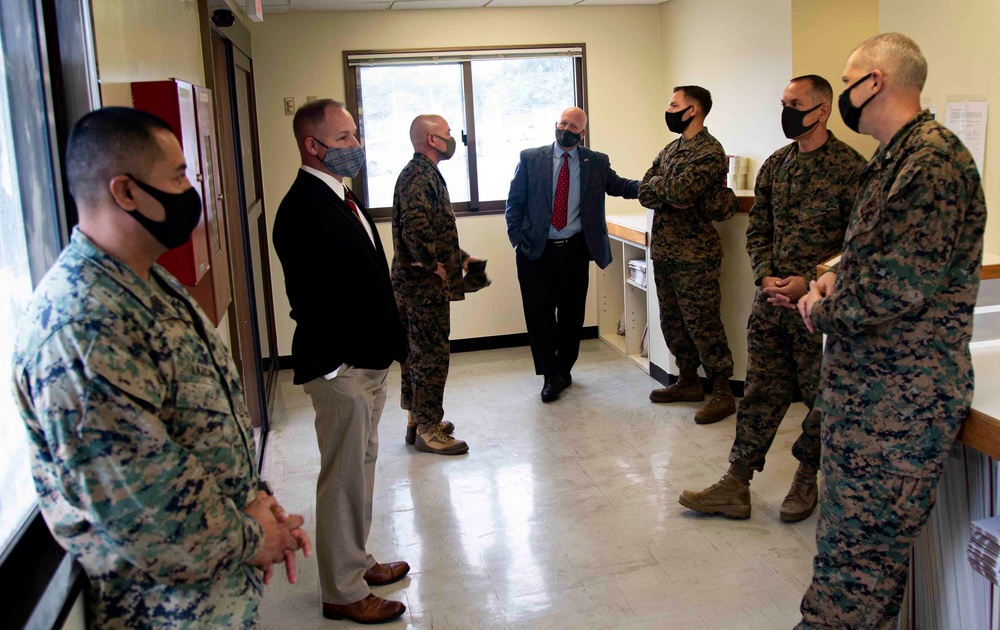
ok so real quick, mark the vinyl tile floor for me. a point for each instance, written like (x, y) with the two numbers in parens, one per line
(562, 515)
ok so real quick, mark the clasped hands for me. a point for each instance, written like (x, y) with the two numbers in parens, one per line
(791, 292)
(283, 536)
(440, 271)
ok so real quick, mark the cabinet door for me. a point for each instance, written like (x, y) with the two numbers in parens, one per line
(211, 188)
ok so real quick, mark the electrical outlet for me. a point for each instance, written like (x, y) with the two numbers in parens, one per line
(310, 99)
(290, 106)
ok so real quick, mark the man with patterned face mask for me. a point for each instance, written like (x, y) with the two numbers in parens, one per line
(347, 334)
(803, 198)
(427, 277)
(897, 377)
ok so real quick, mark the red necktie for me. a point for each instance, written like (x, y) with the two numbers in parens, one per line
(349, 198)
(559, 210)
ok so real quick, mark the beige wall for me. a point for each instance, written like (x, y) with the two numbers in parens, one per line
(145, 41)
(721, 45)
(300, 54)
(959, 39)
(823, 36)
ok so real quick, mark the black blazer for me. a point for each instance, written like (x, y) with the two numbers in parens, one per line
(337, 284)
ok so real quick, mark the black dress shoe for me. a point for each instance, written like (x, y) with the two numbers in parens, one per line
(567, 379)
(552, 388)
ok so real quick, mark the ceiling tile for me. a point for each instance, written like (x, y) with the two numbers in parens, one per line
(531, 3)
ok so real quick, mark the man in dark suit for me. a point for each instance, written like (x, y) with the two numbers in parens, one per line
(556, 223)
(347, 334)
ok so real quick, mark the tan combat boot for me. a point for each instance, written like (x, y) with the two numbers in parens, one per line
(729, 497)
(430, 439)
(686, 389)
(411, 428)
(802, 497)
(722, 405)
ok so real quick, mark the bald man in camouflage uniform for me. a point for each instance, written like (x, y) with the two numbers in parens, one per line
(680, 187)
(142, 449)
(804, 195)
(426, 278)
(897, 377)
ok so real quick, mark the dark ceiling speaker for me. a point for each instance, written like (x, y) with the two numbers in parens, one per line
(223, 18)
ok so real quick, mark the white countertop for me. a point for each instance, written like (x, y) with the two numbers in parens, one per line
(633, 219)
(986, 362)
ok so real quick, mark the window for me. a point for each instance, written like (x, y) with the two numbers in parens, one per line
(17, 498)
(497, 102)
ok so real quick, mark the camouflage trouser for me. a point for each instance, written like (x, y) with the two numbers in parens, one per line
(690, 303)
(780, 354)
(426, 367)
(868, 519)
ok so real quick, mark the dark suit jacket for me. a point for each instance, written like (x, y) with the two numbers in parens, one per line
(529, 204)
(337, 283)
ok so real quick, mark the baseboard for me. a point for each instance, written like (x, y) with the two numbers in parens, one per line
(495, 342)
(667, 380)
(517, 340)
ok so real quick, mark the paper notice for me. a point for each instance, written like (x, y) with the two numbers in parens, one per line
(968, 120)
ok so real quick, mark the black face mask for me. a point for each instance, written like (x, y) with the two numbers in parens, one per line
(850, 113)
(676, 122)
(792, 121)
(567, 139)
(182, 212)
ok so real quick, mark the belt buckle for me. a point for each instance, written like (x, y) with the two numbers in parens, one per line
(560, 242)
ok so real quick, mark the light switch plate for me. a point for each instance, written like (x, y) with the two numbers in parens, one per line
(290, 106)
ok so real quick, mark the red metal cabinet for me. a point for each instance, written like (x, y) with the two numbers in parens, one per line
(201, 264)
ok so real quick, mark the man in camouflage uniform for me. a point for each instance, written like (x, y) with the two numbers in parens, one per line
(687, 255)
(426, 278)
(142, 448)
(804, 195)
(897, 375)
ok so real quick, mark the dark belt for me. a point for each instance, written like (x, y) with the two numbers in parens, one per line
(564, 241)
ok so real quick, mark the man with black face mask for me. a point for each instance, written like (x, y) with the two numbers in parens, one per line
(803, 199)
(427, 277)
(686, 251)
(897, 378)
(347, 334)
(556, 224)
(142, 447)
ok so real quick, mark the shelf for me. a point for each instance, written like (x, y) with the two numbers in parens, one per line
(641, 361)
(615, 341)
(635, 284)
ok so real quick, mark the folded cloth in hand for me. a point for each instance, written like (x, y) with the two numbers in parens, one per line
(475, 277)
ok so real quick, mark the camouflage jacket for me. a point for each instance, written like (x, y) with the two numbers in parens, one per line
(423, 231)
(141, 445)
(800, 211)
(681, 175)
(897, 367)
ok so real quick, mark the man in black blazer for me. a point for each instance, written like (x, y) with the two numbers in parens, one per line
(347, 334)
(556, 223)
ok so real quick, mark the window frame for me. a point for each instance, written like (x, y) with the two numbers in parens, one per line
(52, 82)
(473, 207)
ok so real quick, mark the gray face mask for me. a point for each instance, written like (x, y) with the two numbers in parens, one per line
(345, 162)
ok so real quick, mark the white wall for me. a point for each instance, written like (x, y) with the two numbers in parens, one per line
(300, 54)
(742, 53)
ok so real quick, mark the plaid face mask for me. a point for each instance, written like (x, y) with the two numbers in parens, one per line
(345, 162)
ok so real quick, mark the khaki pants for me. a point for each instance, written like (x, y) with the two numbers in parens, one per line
(348, 409)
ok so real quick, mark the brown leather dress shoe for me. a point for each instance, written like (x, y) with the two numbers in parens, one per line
(386, 573)
(370, 610)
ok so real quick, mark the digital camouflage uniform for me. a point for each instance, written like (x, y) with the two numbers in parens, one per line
(801, 207)
(897, 376)
(687, 252)
(142, 450)
(423, 231)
